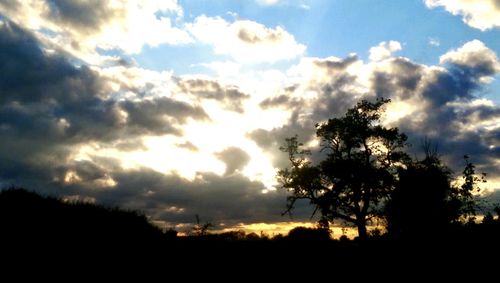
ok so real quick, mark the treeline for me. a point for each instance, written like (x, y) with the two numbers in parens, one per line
(30, 216)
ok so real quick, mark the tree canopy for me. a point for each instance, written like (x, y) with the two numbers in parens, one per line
(358, 170)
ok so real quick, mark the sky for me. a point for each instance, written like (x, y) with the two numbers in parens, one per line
(178, 108)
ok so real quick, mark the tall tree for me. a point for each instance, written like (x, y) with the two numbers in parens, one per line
(358, 171)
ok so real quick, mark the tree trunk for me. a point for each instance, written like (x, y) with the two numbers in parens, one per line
(362, 233)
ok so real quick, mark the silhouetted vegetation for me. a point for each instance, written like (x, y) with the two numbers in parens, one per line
(358, 171)
(309, 234)
(364, 174)
(427, 202)
(41, 227)
(32, 217)
(201, 229)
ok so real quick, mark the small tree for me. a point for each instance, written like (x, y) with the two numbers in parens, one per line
(420, 202)
(358, 170)
(201, 229)
(462, 196)
(427, 199)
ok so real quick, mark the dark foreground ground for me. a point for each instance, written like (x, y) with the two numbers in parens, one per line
(50, 236)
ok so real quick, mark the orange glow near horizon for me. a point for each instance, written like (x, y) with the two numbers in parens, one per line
(270, 229)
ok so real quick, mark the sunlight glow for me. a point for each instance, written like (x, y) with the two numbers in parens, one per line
(397, 110)
(163, 153)
(229, 129)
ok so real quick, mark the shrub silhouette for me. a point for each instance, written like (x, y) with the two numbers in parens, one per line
(309, 234)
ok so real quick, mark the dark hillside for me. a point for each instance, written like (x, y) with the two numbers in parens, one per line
(33, 218)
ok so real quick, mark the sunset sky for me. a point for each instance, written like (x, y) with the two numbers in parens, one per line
(178, 108)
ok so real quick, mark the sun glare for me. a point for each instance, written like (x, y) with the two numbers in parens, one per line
(226, 129)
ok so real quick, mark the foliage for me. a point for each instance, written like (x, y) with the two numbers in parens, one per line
(463, 195)
(358, 171)
(419, 203)
(427, 200)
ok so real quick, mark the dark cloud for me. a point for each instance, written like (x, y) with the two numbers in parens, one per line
(230, 199)
(235, 159)
(84, 16)
(283, 100)
(275, 101)
(49, 107)
(271, 140)
(229, 96)
(401, 79)
(130, 144)
(12, 5)
(336, 65)
(160, 112)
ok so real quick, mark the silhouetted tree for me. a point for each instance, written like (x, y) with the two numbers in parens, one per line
(201, 229)
(171, 233)
(426, 199)
(358, 170)
(462, 197)
(419, 204)
(488, 219)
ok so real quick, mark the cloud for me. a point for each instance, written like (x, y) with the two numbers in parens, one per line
(157, 116)
(234, 158)
(302, 4)
(230, 199)
(188, 145)
(49, 109)
(434, 42)
(152, 141)
(246, 41)
(473, 57)
(384, 50)
(268, 2)
(441, 102)
(229, 96)
(482, 15)
(80, 27)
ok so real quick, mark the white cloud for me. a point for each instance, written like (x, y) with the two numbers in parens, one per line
(246, 41)
(476, 55)
(268, 2)
(302, 4)
(82, 26)
(384, 50)
(434, 41)
(480, 14)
